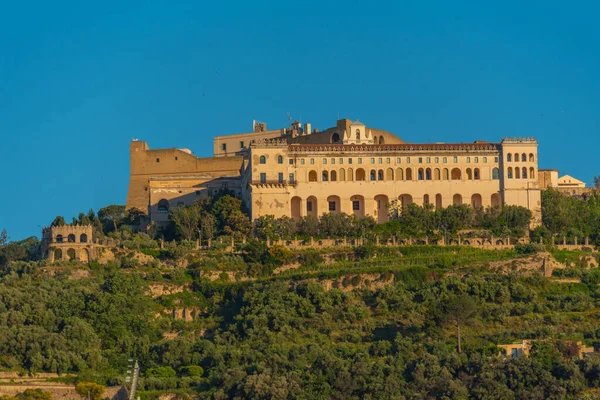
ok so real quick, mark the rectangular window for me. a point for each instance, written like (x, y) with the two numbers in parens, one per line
(387, 160)
(341, 160)
(372, 161)
(280, 177)
(408, 160)
(292, 179)
(398, 160)
(324, 161)
(312, 160)
(455, 159)
(360, 160)
(476, 160)
(291, 161)
(309, 206)
(437, 160)
(468, 159)
(263, 177)
(242, 144)
(224, 146)
(332, 206)
(356, 205)
(302, 161)
(420, 160)
(380, 160)
(484, 160)
(428, 160)
(349, 161)
(158, 160)
(445, 160)
(333, 160)
(496, 159)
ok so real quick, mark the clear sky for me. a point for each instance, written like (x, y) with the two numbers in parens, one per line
(79, 80)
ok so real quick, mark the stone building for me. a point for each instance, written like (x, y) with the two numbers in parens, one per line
(549, 178)
(350, 168)
(68, 243)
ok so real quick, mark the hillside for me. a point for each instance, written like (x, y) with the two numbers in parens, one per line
(368, 322)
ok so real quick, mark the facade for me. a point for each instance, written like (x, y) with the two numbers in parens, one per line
(549, 178)
(68, 243)
(349, 168)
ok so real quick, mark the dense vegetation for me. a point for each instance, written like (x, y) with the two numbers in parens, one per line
(364, 322)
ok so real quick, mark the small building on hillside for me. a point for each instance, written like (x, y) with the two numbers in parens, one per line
(548, 178)
(68, 243)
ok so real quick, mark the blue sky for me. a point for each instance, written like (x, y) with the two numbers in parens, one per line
(79, 80)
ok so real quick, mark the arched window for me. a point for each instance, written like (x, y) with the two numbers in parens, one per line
(71, 238)
(312, 176)
(375, 140)
(358, 134)
(71, 254)
(279, 159)
(516, 157)
(420, 174)
(389, 174)
(163, 206)
(517, 173)
(509, 173)
(456, 174)
(425, 199)
(372, 175)
(409, 174)
(495, 173)
(59, 238)
(350, 174)
(509, 157)
(531, 157)
(476, 174)
(436, 174)
(360, 174)
(531, 173)
(333, 176)
(342, 174)
(381, 141)
(380, 175)
(457, 199)
(399, 174)
(446, 174)
(428, 174)
(523, 157)
(524, 173)
(262, 160)
(469, 174)
(335, 137)
(83, 238)
(438, 201)
(58, 255)
(325, 176)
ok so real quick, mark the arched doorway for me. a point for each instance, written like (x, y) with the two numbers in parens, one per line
(312, 176)
(456, 174)
(71, 254)
(360, 174)
(496, 200)
(476, 201)
(405, 200)
(457, 199)
(58, 255)
(296, 205)
(311, 207)
(382, 206)
(438, 201)
(84, 256)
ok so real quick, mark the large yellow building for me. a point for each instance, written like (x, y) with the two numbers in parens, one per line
(349, 168)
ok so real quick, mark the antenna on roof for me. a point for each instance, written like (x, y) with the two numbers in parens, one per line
(289, 118)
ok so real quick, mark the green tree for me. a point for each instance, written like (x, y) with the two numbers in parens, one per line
(186, 219)
(457, 311)
(112, 214)
(58, 221)
(90, 390)
(34, 394)
(3, 238)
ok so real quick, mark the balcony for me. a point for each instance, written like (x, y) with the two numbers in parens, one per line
(273, 182)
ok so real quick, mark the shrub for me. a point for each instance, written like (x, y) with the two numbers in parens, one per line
(191, 370)
(310, 259)
(161, 372)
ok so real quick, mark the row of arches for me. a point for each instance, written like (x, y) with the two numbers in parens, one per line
(71, 238)
(81, 255)
(522, 158)
(381, 202)
(400, 174)
(520, 173)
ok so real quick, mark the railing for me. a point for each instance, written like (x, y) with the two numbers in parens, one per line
(274, 182)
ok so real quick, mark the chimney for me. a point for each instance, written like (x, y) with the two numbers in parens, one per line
(307, 129)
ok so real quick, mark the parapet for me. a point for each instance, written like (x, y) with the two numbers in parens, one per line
(519, 140)
(67, 234)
